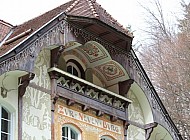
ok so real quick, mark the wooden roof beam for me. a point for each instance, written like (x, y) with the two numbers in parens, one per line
(104, 33)
(118, 41)
(87, 25)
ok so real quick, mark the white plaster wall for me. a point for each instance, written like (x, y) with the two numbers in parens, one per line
(135, 112)
(11, 101)
(160, 133)
(143, 102)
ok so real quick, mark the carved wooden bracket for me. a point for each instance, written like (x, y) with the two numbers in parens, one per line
(99, 113)
(53, 102)
(55, 55)
(4, 92)
(124, 86)
(149, 129)
(85, 108)
(70, 102)
(24, 82)
(126, 124)
(113, 118)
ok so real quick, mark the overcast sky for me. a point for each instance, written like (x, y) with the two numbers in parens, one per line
(127, 12)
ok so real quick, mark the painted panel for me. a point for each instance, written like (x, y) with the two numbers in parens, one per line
(111, 70)
(36, 104)
(91, 126)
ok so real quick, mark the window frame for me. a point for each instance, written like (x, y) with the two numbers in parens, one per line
(106, 138)
(10, 121)
(73, 128)
(77, 66)
(73, 65)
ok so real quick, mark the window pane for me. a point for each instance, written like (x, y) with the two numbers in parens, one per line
(65, 132)
(75, 72)
(5, 114)
(4, 126)
(4, 136)
(73, 135)
(69, 69)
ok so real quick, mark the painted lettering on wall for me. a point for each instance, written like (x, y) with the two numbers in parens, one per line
(88, 119)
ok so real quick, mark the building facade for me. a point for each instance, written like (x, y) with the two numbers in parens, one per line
(71, 74)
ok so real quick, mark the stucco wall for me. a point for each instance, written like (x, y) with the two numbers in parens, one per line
(11, 101)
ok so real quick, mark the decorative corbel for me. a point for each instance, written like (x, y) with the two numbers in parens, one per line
(149, 129)
(24, 82)
(124, 86)
(55, 55)
(113, 118)
(126, 125)
(99, 113)
(70, 102)
(85, 108)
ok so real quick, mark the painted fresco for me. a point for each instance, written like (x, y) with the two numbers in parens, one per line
(91, 126)
(36, 104)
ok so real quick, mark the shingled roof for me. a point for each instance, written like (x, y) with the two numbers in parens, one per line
(80, 8)
(5, 28)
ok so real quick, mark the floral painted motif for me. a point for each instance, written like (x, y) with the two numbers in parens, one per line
(93, 51)
(111, 70)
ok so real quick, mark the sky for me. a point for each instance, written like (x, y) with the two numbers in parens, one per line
(126, 12)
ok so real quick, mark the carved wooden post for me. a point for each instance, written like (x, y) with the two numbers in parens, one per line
(23, 83)
(126, 125)
(55, 55)
(54, 97)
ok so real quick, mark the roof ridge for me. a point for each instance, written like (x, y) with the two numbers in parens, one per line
(114, 20)
(72, 6)
(6, 23)
(93, 9)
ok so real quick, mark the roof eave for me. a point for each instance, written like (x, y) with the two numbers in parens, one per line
(97, 21)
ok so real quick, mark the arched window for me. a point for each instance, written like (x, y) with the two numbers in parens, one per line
(106, 138)
(5, 124)
(74, 68)
(70, 133)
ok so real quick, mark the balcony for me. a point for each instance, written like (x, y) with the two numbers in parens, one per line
(86, 93)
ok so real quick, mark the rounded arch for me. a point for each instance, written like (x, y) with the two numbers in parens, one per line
(98, 66)
(75, 56)
(69, 128)
(77, 66)
(160, 133)
(7, 106)
(107, 137)
(142, 100)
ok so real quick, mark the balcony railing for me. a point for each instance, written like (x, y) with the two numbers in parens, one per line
(90, 90)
